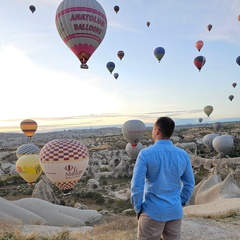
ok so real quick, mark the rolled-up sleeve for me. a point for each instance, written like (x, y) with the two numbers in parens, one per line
(138, 182)
(188, 183)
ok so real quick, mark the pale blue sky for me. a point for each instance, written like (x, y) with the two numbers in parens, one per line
(41, 78)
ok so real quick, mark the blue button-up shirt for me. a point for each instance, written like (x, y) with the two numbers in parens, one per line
(162, 181)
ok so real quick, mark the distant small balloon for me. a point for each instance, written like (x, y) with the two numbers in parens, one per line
(200, 120)
(32, 8)
(209, 27)
(208, 110)
(217, 126)
(231, 97)
(148, 24)
(238, 17)
(110, 66)
(120, 54)
(116, 9)
(116, 75)
(199, 62)
(199, 44)
(238, 60)
(234, 85)
(159, 52)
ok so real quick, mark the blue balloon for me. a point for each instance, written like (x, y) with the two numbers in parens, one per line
(110, 66)
(159, 53)
(238, 60)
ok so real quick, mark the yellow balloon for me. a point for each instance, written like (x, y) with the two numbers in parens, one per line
(29, 168)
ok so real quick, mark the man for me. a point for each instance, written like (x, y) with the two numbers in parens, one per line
(162, 182)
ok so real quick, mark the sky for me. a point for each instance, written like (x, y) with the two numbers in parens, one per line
(41, 78)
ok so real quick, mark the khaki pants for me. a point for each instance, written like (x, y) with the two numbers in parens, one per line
(149, 229)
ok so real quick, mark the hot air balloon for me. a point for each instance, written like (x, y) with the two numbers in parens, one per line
(208, 139)
(110, 66)
(64, 162)
(199, 45)
(29, 168)
(200, 120)
(238, 60)
(199, 62)
(238, 17)
(133, 131)
(208, 110)
(116, 9)
(231, 97)
(133, 151)
(223, 144)
(29, 127)
(148, 24)
(27, 149)
(209, 27)
(234, 85)
(120, 54)
(116, 75)
(82, 25)
(32, 8)
(159, 52)
(217, 126)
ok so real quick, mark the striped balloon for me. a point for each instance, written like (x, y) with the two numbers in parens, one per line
(27, 149)
(82, 26)
(29, 127)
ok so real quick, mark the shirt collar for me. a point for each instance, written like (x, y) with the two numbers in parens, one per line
(163, 141)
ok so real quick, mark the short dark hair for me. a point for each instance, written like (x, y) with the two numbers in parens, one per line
(166, 125)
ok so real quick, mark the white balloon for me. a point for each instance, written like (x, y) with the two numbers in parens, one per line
(133, 151)
(207, 141)
(223, 144)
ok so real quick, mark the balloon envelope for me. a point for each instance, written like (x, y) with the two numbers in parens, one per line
(238, 60)
(234, 85)
(116, 75)
(110, 66)
(82, 26)
(64, 162)
(231, 97)
(29, 168)
(223, 144)
(217, 126)
(200, 120)
(120, 54)
(27, 149)
(159, 52)
(199, 45)
(199, 62)
(133, 151)
(29, 127)
(116, 9)
(133, 131)
(208, 110)
(208, 139)
(209, 27)
(148, 24)
(32, 8)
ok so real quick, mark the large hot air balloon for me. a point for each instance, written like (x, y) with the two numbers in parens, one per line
(159, 52)
(64, 162)
(217, 126)
(32, 8)
(234, 84)
(120, 54)
(133, 151)
(238, 60)
(223, 144)
(200, 120)
(199, 62)
(208, 110)
(116, 75)
(27, 149)
(209, 27)
(133, 131)
(208, 139)
(148, 24)
(29, 127)
(29, 168)
(199, 45)
(231, 97)
(82, 25)
(110, 66)
(116, 9)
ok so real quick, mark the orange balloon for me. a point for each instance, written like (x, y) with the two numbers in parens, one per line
(199, 45)
(29, 127)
